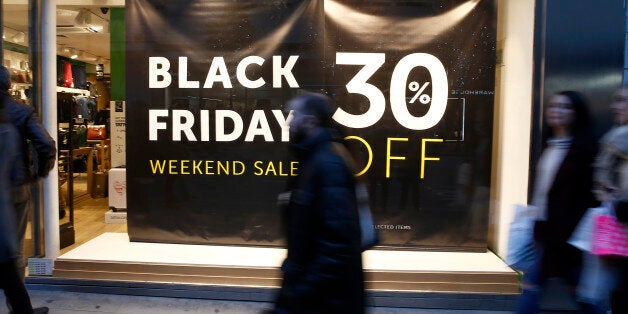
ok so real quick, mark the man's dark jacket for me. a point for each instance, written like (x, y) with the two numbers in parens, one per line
(8, 149)
(323, 270)
(30, 130)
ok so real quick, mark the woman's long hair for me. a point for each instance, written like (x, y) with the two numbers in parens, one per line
(581, 129)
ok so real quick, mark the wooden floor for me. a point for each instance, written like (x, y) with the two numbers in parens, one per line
(89, 220)
(89, 217)
(89, 213)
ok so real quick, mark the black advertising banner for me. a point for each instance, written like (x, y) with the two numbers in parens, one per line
(207, 135)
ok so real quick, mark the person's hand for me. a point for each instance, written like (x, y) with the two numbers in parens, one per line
(283, 198)
(621, 210)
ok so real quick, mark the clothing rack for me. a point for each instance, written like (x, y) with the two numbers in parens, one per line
(75, 91)
(66, 101)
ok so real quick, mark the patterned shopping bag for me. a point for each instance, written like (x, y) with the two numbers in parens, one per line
(610, 236)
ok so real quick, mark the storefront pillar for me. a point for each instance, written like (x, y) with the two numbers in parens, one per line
(49, 118)
(512, 119)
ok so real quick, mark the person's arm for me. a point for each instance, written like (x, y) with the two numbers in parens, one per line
(42, 142)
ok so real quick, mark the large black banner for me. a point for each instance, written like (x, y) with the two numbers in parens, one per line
(207, 135)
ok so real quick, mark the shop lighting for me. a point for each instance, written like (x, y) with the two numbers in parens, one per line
(89, 57)
(14, 35)
(19, 37)
(83, 17)
(73, 54)
(94, 28)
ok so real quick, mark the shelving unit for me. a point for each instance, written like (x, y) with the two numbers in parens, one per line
(102, 153)
(74, 91)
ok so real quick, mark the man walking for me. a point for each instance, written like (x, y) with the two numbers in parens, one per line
(29, 167)
(10, 277)
(323, 270)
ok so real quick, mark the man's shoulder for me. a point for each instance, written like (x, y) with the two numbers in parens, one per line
(10, 102)
(327, 156)
(330, 163)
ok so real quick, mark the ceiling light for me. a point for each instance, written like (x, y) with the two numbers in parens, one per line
(73, 54)
(19, 37)
(94, 28)
(83, 17)
(87, 57)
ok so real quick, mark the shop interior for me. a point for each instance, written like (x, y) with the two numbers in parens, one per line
(83, 114)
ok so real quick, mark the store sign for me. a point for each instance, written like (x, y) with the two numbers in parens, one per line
(207, 126)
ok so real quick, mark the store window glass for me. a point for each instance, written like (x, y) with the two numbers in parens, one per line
(82, 105)
(198, 88)
(83, 116)
(207, 151)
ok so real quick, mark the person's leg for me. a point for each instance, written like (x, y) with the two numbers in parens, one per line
(619, 297)
(22, 205)
(14, 288)
(531, 288)
(596, 279)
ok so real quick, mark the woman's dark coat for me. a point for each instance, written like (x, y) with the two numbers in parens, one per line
(568, 199)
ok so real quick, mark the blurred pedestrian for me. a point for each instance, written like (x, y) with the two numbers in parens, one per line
(562, 193)
(10, 281)
(323, 270)
(609, 274)
(30, 167)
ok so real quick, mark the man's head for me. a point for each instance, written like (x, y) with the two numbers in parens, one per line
(619, 106)
(5, 79)
(310, 111)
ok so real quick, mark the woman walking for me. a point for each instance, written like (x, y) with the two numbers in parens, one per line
(562, 193)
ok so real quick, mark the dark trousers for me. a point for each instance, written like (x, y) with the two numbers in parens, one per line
(14, 289)
(535, 281)
(619, 295)
(21, 196)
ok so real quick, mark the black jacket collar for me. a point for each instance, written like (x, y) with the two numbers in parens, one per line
(305, 148)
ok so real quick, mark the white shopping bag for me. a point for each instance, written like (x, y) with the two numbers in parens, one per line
(521, 253)
(582, 236)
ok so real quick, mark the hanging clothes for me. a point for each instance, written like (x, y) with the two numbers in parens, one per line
(79, 76)
(65, 107)
(86, 107)
(67, 75)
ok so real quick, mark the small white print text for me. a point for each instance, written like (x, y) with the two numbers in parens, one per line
(393, 227)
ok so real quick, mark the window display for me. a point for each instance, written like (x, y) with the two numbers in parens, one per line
(207, 132)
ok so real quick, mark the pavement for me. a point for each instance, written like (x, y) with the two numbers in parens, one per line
(556, 300)
(63, 302)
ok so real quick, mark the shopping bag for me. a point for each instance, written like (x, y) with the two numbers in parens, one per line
(520, 252)
(369, 236)
(96, 132)
(582, 236)
(610, 237)
(367, 226)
